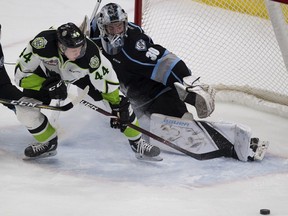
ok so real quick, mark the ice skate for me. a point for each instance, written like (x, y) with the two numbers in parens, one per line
(41, 150)
(259, 147)
(145, 151)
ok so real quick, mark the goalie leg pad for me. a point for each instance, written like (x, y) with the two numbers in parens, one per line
(201, 96)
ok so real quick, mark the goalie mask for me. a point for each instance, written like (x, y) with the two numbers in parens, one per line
(70, 36)
(112, 22)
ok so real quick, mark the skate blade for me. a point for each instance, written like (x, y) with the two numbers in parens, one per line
(146, 158)
(44, 155)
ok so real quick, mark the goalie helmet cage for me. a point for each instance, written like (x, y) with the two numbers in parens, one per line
(230, 44)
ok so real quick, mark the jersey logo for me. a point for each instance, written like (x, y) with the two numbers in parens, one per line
(141, 45)
(94, 62)
(39, 43)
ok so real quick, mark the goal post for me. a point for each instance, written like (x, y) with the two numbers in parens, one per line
(279, 24)
(282, 1)
(231, 44)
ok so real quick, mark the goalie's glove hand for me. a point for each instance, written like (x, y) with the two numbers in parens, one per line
(56, 88)
(200, 95)
(122, 112)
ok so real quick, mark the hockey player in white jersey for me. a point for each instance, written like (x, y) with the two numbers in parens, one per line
(157, 81)
(65, 55)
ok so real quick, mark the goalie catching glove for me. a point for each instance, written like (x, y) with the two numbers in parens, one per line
(56, 88)
(120, 110)
(202, 96)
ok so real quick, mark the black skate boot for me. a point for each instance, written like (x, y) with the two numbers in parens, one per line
(145, 151)
(41, 150)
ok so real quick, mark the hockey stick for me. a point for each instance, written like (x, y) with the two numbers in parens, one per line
(10, 63)
(55, 115)
(66, 107)
(203, 156)
(95, 9)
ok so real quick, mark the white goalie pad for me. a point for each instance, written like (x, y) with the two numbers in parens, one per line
(192, 136)
(205, 95)
(181, 132)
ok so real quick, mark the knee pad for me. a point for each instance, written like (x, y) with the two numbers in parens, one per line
(30, 117)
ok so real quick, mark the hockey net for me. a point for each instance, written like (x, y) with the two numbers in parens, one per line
(230, 44)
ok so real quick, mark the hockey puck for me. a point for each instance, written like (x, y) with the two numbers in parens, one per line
(264, 211)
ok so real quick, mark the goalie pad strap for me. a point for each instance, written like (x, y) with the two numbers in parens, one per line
(224, 145)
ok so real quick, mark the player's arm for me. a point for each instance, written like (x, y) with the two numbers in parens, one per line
(168, 68)
(4, 78)
(156, 62)
(171, 71)
(104, 79)
(25, 71)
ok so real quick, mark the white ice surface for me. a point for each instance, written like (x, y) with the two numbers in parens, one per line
(95, 171)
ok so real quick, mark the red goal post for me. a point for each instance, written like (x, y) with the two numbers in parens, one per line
(281, 1)
(230, 44)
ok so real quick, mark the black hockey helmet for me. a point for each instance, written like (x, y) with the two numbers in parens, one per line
(70, 36)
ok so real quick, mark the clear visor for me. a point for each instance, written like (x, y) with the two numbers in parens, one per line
(82, 52)
(113, 44)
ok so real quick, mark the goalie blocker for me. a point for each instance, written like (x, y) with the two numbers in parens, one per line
(203, 138)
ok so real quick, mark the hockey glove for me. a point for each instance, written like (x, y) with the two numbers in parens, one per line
(122, 112)
(94, 93)
(55, 87)
(200, 95)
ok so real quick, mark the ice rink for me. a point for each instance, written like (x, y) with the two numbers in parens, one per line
(95, 171)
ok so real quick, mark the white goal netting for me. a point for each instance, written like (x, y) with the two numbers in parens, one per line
(230, 44)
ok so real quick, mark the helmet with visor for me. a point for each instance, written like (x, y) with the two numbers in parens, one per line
(112, 22)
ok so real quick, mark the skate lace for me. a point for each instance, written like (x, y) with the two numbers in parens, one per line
(143, 147)
(38, 147)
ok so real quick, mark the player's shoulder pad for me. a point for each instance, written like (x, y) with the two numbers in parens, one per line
(137, 38)
(134, 28)
(92, 47)
(92, 54)
(45, 42)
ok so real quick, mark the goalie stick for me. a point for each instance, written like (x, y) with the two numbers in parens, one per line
(85, 25)
(66, 107)
(203, 156)
(98, 2)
